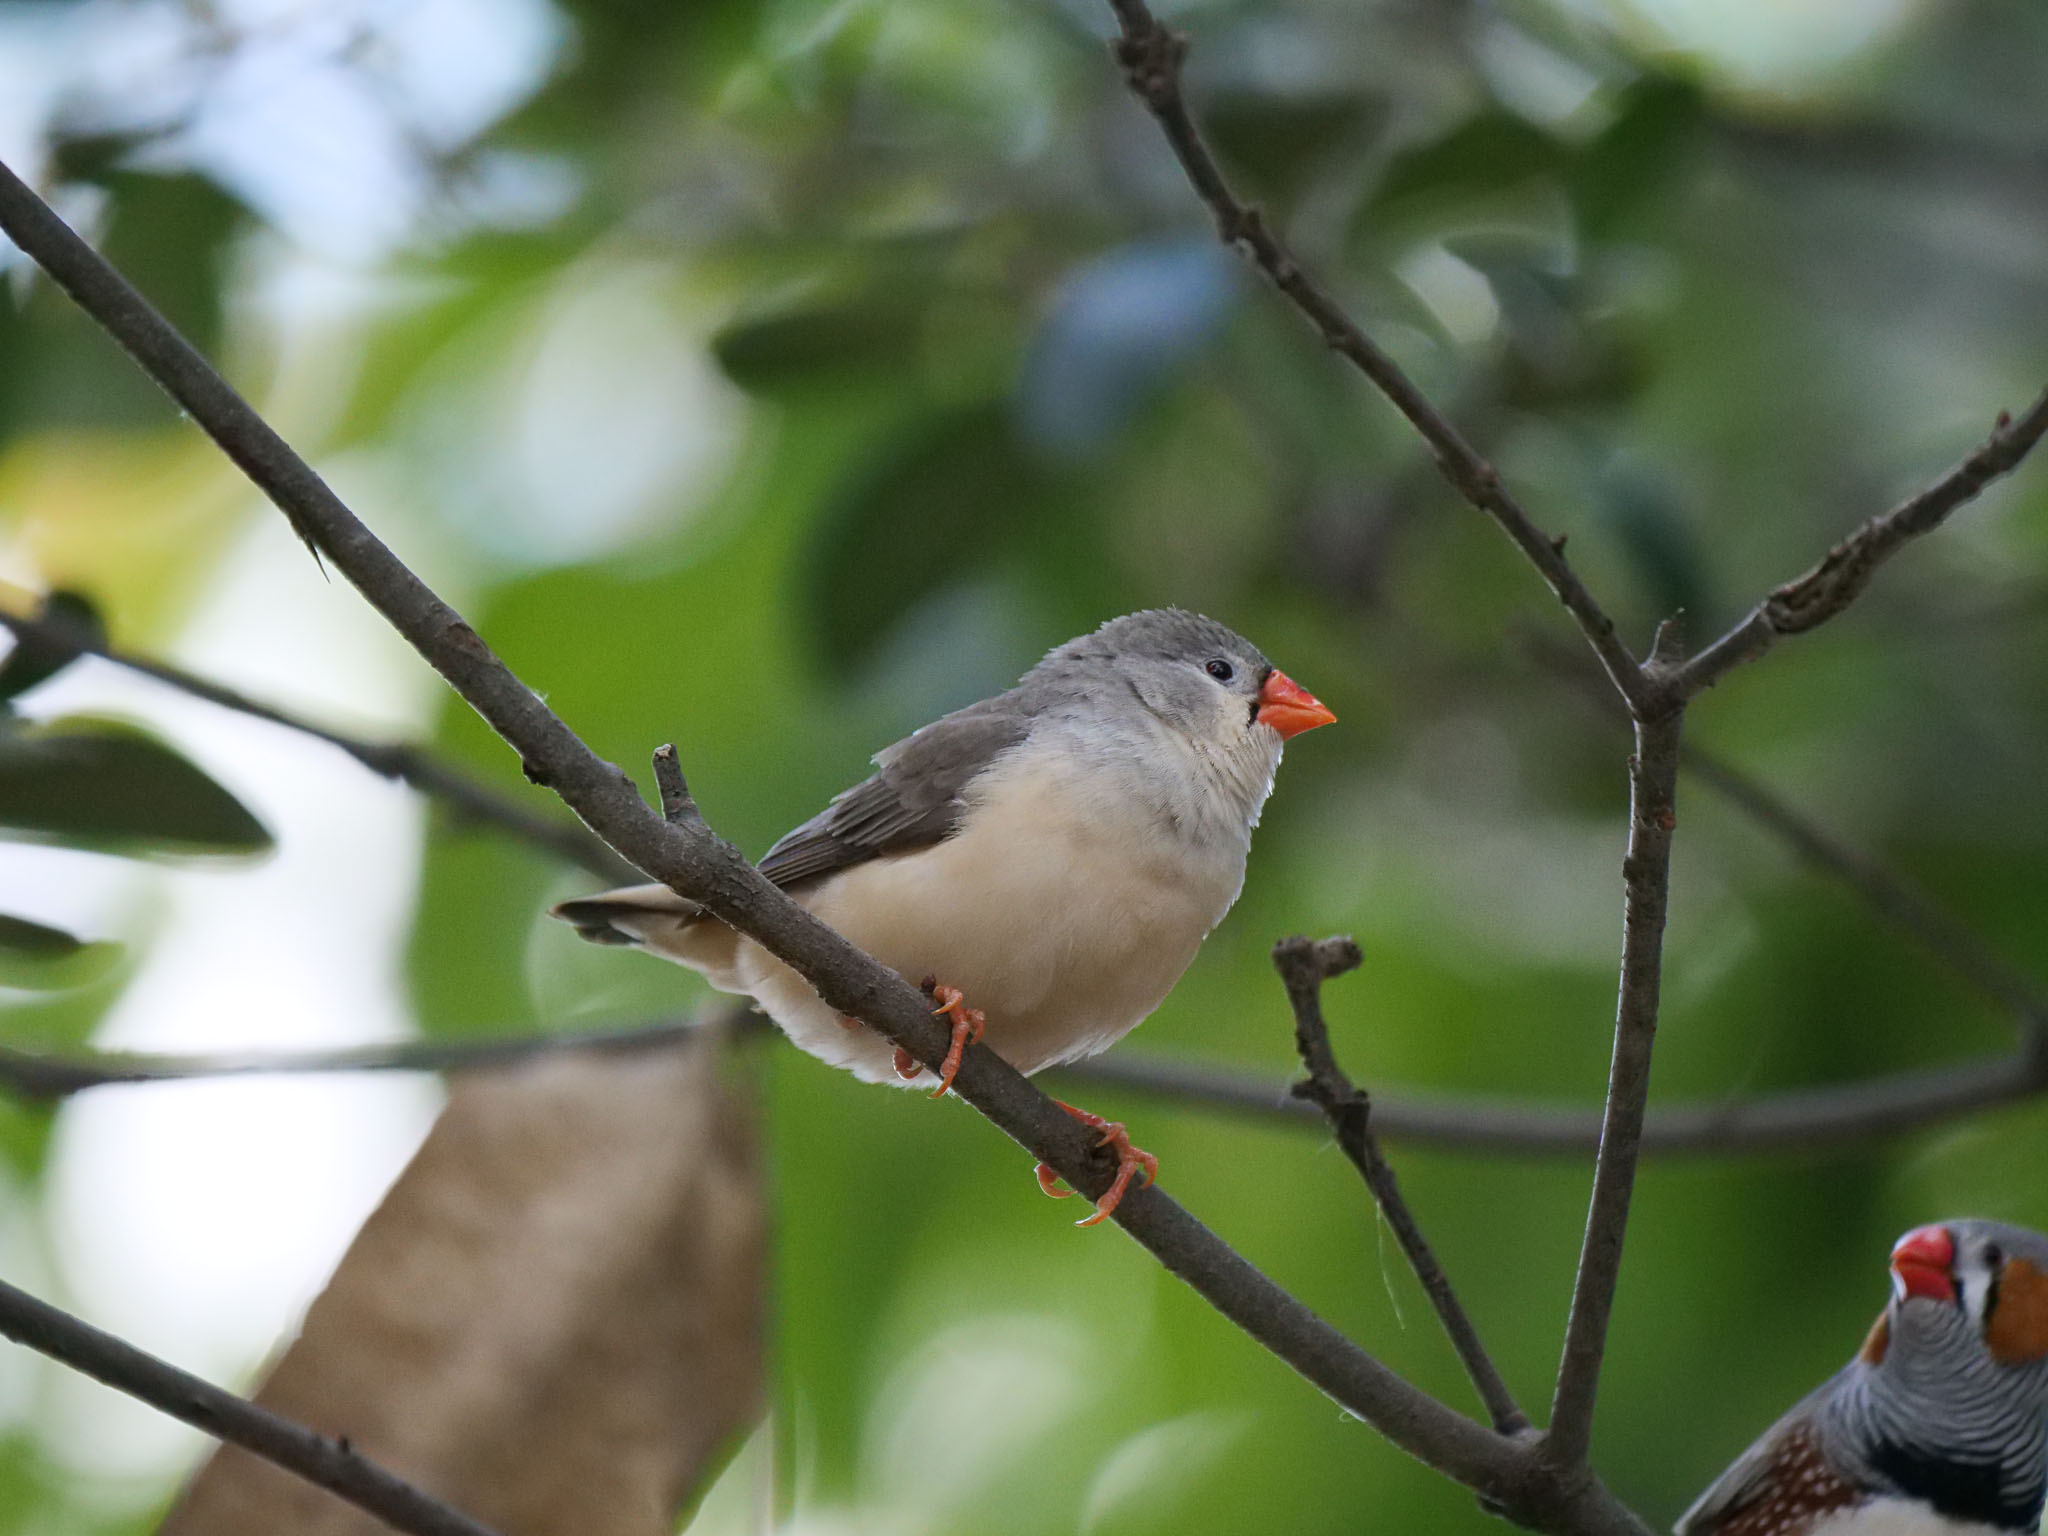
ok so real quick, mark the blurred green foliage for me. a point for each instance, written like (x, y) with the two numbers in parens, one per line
(981, 382)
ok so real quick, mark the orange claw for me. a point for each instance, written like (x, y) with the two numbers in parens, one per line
(1129, 1160)
(969, 1024)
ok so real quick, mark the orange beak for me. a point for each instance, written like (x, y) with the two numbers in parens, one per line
(1920, 1264)
(1290, 708)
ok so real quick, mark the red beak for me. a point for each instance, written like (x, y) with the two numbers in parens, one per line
(1920, 1264)
(1290, 708)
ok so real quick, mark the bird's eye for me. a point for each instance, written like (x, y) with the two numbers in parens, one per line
(1220, 669)
(1994, 1257)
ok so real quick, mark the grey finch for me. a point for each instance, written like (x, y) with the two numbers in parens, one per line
(1045, 862)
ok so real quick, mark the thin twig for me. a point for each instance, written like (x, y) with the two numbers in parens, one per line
(703, 868)
(1812, 599)
(1884, 890)
(1646, 879)
(1812, 1120)
(31, 1076)
(1815, 1120)
(1304, 965)
(466, 799)
(327, 1463)
(677, 803)
(1151, 57)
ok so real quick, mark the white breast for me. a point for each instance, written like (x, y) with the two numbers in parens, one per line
(1897, 1517)
(1065, 908)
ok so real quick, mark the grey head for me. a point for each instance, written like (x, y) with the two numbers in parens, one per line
(1946, 1404)
(1948, 1400)
(1179, 706)
(1187, 670)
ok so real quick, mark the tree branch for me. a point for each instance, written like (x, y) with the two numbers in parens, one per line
(1813, 1120)
(1808, 601)
(1304, 965)
(465, 798)
(1151, 57)
(28, 1075)
(1885, 892)
(330, 1464)
(1646, 877)
(1882, 889)
(703, 868)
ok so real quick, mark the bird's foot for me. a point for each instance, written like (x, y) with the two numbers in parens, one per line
(969, 1025)
(1130, 1161)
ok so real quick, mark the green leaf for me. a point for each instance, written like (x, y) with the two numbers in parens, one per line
(1482, 155)
(39, 657)
(1641, 153)
(1648, 522)
(44, 959)
(168, 235)
(788, 347)
(1281, 144)
(170, 232)
(97, 784)
(19, 936)
(940, 504)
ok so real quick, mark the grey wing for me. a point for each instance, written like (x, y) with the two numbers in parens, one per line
(1732, 1491)
(1750, 1475)
(912, 799)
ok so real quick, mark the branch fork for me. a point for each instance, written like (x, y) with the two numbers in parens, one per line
(1304, 965)
(1655, 690)
(1546, 1484)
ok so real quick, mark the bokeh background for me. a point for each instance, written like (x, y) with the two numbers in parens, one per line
(770, 375)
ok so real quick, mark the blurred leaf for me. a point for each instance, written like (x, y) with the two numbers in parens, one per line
(170, 235)
(1659, 543)
(477, 897)
(63, 370)
(1487, 153)
(1639, 155)
(46, 959)
(938, 507)
(32, 941)
(777, 350)
(138, 518)
(555, 1319)
(1279, 144)
(24, 1478)
(1562, 352)
(1142, 1484)
(98, 784)
(55, 1021)
(37, 658)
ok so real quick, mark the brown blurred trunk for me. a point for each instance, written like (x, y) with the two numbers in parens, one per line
(554, 1320)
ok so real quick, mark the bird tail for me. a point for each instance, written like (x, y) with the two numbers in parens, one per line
(632, 914)
(655, 918)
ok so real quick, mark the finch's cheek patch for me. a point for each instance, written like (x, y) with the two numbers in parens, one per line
(1877, 1341)
(2018, 1331)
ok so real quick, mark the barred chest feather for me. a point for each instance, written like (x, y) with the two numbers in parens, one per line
(1804, 1496)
